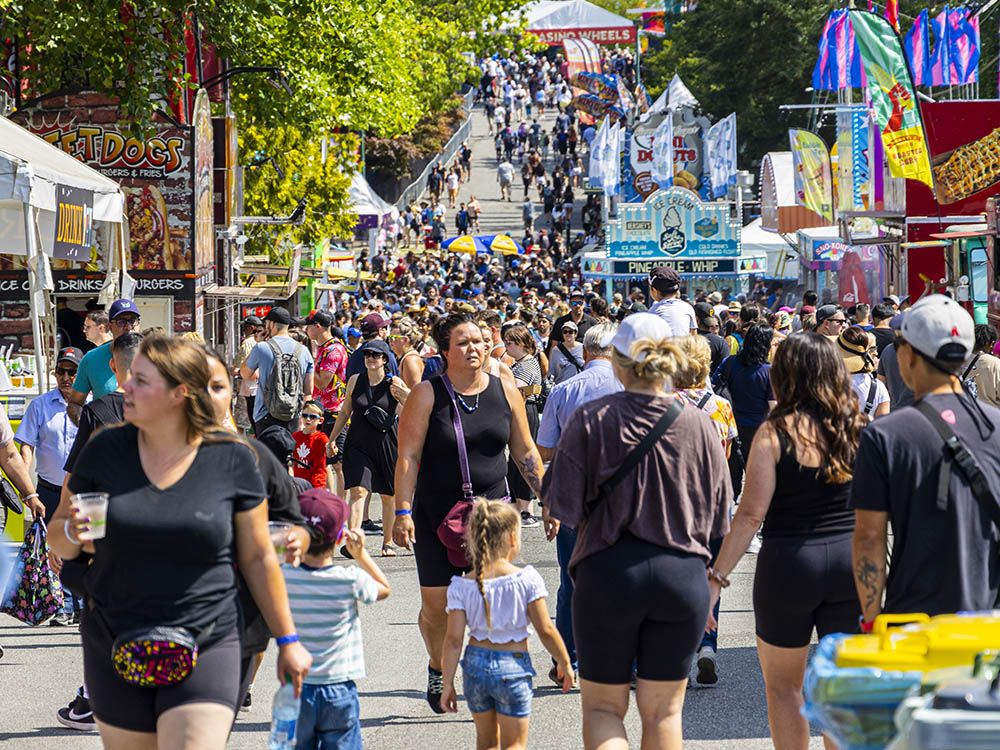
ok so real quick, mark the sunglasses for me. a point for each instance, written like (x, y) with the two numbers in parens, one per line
(129, 322)
(311, 417)
(66, 372)
(373, 355)
(842, 321)
(394, 337)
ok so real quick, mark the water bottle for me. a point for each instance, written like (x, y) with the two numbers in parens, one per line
(284, 718)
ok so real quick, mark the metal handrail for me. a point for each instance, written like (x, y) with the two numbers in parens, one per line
(417, 187)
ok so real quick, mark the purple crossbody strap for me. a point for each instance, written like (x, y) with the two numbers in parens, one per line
(463, 456)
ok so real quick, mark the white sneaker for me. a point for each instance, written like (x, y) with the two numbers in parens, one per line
(754, 547)
(707, 675)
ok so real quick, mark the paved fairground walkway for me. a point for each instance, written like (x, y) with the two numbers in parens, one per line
(42, 667)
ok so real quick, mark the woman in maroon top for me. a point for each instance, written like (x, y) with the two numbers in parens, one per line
(642, 546)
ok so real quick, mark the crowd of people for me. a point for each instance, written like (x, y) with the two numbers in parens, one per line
(654, 437)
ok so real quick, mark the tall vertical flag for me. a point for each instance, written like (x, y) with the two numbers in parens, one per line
(918, 47)
(813, 178)
(595, 169)
(720, 150)
(612, 159)
(838, 65)
(662, 170)
(893, 99)
(955, 60)
(892, 14)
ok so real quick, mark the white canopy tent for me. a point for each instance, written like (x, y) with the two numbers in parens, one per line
(31, 171)
(365, 201)
(782, 258)
(553, 20)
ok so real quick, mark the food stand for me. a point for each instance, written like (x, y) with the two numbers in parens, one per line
(840, 272)
(674, 228)
(51, 207)
(166, 178)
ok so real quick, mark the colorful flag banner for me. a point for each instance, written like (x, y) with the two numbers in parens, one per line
(662, 168)
(955, 60)
(720, 151)
(652, 23)
(839, 64)
(918, 47)
(852, 159)
(892, 14)
(893, 99)
(813, 179)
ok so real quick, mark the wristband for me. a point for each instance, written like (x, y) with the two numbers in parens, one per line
(69, 535)
(714, 575)
(287, 639)
(30, 495)
(404, 512)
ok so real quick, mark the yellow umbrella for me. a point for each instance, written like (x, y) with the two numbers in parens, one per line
(465, 243)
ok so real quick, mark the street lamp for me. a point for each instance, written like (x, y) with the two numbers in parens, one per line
(276, 76)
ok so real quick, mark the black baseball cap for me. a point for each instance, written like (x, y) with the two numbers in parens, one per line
(70, 354)
(321, 318)
(252, 320)
(825, 312)
(279, 315)
(664, 278)
(704, 312)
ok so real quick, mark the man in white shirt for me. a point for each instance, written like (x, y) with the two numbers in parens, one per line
(665, 289)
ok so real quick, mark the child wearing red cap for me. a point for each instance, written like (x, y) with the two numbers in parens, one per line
(324, 601)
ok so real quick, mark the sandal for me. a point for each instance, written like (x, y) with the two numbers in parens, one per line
(388, 551)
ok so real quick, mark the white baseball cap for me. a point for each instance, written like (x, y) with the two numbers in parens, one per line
(634, 327)
(939, 328)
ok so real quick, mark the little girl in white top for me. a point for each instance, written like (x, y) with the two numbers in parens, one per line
(499, 603)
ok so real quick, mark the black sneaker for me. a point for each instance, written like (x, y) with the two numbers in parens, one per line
(77, 715)
(707, 670)
(247, 702)
(370, 527)
(345, 553)
(63, 619)
(435, 686)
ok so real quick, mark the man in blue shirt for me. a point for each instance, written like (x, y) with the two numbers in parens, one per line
(46, 432)
(596, 380)
(46, 435)
(261, 360)
(94, 375)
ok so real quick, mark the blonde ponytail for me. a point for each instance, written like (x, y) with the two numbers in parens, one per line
(488, 539)
(653, 359)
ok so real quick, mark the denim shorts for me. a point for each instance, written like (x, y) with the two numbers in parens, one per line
(329, 717)
(497, 681)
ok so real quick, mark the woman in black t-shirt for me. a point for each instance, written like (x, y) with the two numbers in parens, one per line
(186, 504)
(798, 484)
(428, 477)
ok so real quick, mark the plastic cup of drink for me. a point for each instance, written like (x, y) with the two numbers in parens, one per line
(279, 537)
(92, 505)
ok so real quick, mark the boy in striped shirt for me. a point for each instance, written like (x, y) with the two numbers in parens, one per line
(324, 600)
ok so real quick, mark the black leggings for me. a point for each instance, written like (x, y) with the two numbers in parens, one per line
(638, 602)
(801, 584)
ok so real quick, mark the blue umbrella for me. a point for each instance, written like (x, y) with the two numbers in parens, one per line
(465, 243)
(502, 243)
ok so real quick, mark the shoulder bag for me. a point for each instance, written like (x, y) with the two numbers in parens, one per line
(569, 357)
(870, 401)
(636, 455)
(377, 417)
(451, 531)
(957, 452)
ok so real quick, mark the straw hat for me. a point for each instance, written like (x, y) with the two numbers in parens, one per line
(855, 356)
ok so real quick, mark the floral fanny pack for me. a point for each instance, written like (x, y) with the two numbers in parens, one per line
(157, 657)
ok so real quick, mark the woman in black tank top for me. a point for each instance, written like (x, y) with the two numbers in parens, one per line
(428, 475)
(798, 483)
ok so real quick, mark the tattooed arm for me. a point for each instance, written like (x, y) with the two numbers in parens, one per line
(522, 444)
(869, 557)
